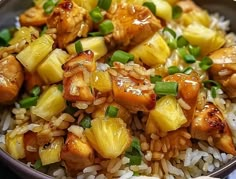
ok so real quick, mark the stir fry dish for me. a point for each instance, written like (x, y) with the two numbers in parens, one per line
(118, 89)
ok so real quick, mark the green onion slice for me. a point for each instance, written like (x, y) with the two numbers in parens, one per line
(49, 6)
(182, 52)
(194, 50)
(176, 12)
(85, 122)
(173, 69)
(96, 15)
(95, 34)
(78, 46)
(206, 63)
(187, 70)
(214, 91)
(5, 37)
(188, 58)
(170, 31)
(151, 6)
(104, 4)
(60, 87)
(37, 164)
(121, 56)
(155, 78)
(166, 88)
(28, 102)
(172, 43)
(181, 42)
(134, 152)
(111, 111)
(106, 27)
(70, 109)
(44, 29)
(35, 91)
(210, 83)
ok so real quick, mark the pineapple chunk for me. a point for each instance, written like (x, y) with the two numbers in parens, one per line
(53, 62)
(151, 52)
(95, 44)
(207, 39)
(50, 103)
(86, 4)
(15, 146)
(101, 81)
(167, 115)
(51, 153)
(163, 9)
(109, 136)
(32, 55)
(201, 17)
(24, 33)
(77, 154)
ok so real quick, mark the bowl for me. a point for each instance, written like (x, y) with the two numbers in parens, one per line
(8, 13)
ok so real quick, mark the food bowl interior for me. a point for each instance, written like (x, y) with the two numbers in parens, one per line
(8, 13)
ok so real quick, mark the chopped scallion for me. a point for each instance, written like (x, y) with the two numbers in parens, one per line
(60, 87)
(182, 52)
(166, 88)
(213, 85)
(173, 69)
(155, 78)
(214, 91)
(106, 27)
(194, 50)
(70, 109)
(28, 102)
(43, 30)
(121, 56)
(111, 111)
(5, 37)
(181, 42)
(78, 46)
(176, 12)
(134, 152)
(49, 6)
(172, 43)
(188, 70)
(206, 63)
(170, 31)
(85, 122)
(104, 4)
(38, 164)
(96, 15)
(151, 6)
(95, 34)
(35, 91)
(188, 58)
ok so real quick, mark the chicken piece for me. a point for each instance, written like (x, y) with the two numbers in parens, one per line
(189, 88)
(76, 77)
(210, 122)
(32, 80)
(34, 16)
(133, 90)
(188, 5)
(132, 24)
(31, 147)
(71, 21)
(77, 154)
(223, 69)
(11, 79)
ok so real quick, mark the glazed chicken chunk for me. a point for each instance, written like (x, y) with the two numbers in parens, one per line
(223, 69)
(71, 21)
(77, 154)
(11, 79)
(132, 25)
(34, 16)
(211, 122)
